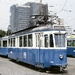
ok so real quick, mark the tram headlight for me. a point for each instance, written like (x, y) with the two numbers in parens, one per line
(61, 56)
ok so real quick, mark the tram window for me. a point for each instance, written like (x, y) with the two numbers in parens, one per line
(30, 40)
(46, 40)
(51, 41)
(37, 40)
(60, 40)
(4, 43)
(13, 42)
(69, 42)
(20, 41)
(9, 44)
(25, 40)
(74, 43)
(41, 40)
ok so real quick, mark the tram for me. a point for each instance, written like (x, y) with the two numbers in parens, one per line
(3, 46)
(71, 45)
(43, 47)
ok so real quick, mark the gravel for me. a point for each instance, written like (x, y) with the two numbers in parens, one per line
(11, 67)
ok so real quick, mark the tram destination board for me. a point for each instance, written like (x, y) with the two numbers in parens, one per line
(59, 27)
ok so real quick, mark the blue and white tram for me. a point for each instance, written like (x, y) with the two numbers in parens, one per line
(3, 46)
(71, 45)
(42, 47)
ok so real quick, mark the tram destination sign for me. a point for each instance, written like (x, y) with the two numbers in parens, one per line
(59, 27)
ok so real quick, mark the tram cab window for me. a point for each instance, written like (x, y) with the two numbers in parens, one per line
(5, 43)
(25, 41)
(51, 41)
(30, 40)
(60, 40)
(20, 41)
(46, 40)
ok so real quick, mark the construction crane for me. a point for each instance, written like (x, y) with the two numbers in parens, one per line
(41, 11)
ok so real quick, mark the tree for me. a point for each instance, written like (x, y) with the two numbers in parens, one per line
(8, 32)
(2, 33)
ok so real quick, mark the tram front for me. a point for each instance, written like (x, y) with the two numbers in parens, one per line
(59, 57)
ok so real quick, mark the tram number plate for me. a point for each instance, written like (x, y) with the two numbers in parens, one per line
(24, 55)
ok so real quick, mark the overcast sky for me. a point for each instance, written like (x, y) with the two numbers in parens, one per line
(64, 8)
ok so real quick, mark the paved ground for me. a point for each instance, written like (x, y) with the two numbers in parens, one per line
(11, 67)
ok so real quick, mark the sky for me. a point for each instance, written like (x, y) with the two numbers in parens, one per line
(65, 9)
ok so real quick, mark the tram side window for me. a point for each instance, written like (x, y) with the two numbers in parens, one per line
(37, 40)
(9, 44)
(74, 43)
(4, 43)
(70, 42)
(46, 40)
(25, 41)
(13, 39)
(30, 40)
(51, 41)
(20, 41)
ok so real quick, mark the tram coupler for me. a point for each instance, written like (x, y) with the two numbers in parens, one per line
(63, 68)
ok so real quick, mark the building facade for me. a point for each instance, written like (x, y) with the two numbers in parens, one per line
(68, 30)
(20, 17)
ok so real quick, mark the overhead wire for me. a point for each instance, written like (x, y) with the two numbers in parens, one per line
(63, 6)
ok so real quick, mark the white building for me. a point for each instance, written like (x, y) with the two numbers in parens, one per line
(68, 30)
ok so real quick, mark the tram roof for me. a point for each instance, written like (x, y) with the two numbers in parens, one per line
(37, 29)
(71, 37)
(4, 38)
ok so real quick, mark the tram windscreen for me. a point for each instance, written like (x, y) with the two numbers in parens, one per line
(60, 40)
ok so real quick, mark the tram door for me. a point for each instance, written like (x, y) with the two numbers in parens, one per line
(39, 44)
